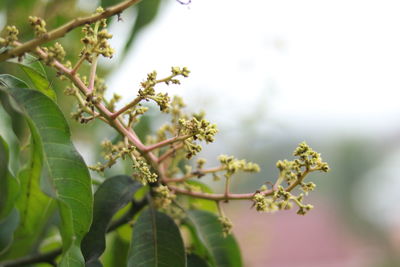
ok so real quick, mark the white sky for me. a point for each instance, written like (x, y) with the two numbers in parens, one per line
(326, 64)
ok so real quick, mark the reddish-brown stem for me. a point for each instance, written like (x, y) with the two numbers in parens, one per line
(168, 142)
(77, 65)
(194, 174)
(231, 196)
(227, 187)
(92, 75)
(125, 108)
(217, 197)
(169, 153)
(115, 123)
(145, 151)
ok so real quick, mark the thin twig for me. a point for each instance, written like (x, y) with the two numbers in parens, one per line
(77, 65)
(169, 153)
(227, 187)
(168, 142)
(47, 257)
(197, 173)
(125, 108)
(92, 75)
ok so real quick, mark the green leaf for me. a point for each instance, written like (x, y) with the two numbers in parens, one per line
(202, 204)
(9, 186)
(224, 251)
(7, 228)
(112, 195)
(117, 250)
(95, 263)
(30, 200)
(37, 75)
(156, 242)
(7, 80)
(66, 169)
(195, 261)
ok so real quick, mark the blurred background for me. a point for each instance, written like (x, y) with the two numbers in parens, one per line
(272, 74)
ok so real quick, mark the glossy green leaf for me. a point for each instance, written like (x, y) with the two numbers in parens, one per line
(66, 169)
(7, 80)
(117, 251)
(37, 75)
(95, 263)
(7, 228)
(9, 186)
(224, 251)
(195, 261)
(195, 243)
(112, 195)
(156, 242)
(5, 179)
(30, 200)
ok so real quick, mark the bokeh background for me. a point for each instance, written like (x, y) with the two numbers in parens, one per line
(272, 74)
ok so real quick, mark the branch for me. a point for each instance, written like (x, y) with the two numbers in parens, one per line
(209, 196)
(197, 173)
(117, 124)
(48, 257)
(62, 30)
(230, 196)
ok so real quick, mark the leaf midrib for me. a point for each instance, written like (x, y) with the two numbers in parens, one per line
(154, 228)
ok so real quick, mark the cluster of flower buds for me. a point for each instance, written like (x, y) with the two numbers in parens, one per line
(96, 39)
(10, 36)
(226, 224)
(293, 172)
(201, 130)
(196, 129)
(147, 92)
(308, 160)
(55, 52)
(176, 107)
(111, 153)
(263, 203)
(232, 165)
(38, 24)
(163, 196)
(142, 172)
(180, 71)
